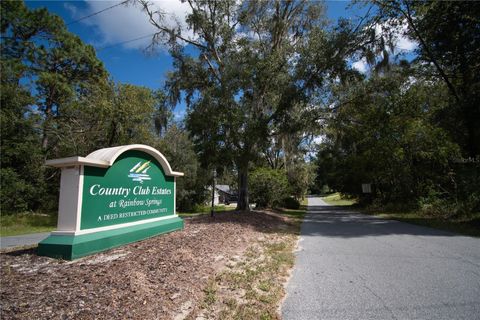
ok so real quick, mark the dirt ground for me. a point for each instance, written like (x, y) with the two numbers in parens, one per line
(159, 278)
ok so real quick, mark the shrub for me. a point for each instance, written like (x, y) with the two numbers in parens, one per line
(291, 203)
(268, 187)
(447, 208)
(19, 193)
(300, 178)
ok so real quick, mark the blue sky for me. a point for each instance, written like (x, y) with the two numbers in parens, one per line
(111, 31)
(126, 62)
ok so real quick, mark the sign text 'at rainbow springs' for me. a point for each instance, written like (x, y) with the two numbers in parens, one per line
(112, 197)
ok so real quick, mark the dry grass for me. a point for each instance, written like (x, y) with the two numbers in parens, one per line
(252, 285)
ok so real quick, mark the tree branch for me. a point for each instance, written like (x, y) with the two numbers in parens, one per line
(429, 53)
(165, 30)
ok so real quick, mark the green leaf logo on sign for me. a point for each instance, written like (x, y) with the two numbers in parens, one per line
(139, 172)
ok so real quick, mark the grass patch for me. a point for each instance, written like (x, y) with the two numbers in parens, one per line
(26, 223)
(304, 202)
(295, 214)
(251, 287)
(259, 282)
(29, 222)
(210, 293)
(265, 285)
(468, 225)
(337, 199)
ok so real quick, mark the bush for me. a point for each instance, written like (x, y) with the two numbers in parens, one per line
(291, 203)
(18, 193)
(268, 187)
(447, 208)
(300, 178)
(434, 206)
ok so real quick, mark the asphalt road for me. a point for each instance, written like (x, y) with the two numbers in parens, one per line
(353, 266)
(23, 240)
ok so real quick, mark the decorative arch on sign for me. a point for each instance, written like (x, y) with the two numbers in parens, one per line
(109, 155)
(105, 158)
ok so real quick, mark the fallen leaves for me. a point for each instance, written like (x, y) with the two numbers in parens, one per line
(163, 277)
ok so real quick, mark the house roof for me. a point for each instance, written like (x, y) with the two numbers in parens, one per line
(224, 188)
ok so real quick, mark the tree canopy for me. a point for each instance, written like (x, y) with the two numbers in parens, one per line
(57, 101)
(409, 126)
(247, 80)
(261, 80)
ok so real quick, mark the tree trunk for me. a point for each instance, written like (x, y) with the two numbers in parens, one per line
(113, 132)
(44, 140)
(213, 194)
(46, 126)
(243, 203)
(472, 117)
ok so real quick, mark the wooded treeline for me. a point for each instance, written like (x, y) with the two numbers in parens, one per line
(412, 128)
(260, 79)
(58, 100)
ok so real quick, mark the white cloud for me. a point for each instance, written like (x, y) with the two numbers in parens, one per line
(70, 8)
(318, 139)
(361, 65)
(127, 22)
(402, 43)
(179, 115)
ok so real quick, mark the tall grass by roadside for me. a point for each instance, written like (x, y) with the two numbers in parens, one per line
(25, 223)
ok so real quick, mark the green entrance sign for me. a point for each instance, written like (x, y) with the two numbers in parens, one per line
(112, 197)
(135, 188)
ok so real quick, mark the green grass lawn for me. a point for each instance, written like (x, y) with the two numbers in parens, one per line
(468, 226)
(25, 223)
(336, 199)
(295, 214)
